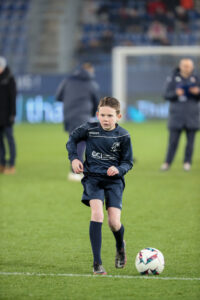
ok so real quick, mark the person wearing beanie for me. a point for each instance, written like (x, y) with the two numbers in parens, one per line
(7, 117)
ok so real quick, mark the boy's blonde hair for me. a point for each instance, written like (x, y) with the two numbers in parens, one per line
(111, 102)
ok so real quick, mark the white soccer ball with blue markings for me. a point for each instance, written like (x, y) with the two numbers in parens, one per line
(150, 261)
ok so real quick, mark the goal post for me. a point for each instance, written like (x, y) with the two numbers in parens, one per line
(121, 63)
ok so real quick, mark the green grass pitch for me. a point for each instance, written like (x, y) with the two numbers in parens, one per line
(44, 226)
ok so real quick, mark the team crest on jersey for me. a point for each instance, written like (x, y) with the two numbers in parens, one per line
(115, 147)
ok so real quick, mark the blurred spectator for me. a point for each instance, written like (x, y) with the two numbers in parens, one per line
(171, 4)
(157, 33)
(79, 94)
(166, 18)
(7, 117)
(127, 19)
(182, 19)
(187, 4)
(132, 22)
(88, 46)
(183, 92)
(106, 41)
(170, 21)
(123, 18)
(153, 6)
(104, 9)
(160, 15)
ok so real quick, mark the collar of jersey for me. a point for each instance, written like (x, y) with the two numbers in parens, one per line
(103, 130)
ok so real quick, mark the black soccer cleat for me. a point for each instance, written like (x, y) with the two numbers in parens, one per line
(99, 269)
(120, 258)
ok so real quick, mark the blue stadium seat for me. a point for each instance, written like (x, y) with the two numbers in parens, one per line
(13, 34)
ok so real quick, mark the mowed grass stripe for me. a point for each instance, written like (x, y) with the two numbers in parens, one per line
(94, 276)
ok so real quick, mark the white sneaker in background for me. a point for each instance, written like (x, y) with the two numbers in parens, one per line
(75, 177)
(164, 167)
(187, 166)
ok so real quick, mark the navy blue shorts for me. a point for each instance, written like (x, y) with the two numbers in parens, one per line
(110, 189)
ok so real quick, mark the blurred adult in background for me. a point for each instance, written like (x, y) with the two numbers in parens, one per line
(171, 4)
(157, 34)
(154, 5)
(7, 117)
(187, 4)
(79, 93)
(183, 92)
(182, 19)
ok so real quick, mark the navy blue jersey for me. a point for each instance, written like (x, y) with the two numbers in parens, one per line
(103, 148)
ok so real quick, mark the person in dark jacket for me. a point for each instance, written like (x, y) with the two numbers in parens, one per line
(183, 92)
(7, 117)
(79, 93)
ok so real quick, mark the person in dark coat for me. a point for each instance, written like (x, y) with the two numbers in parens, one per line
(7, 117)
(183, 92)
(79, 94)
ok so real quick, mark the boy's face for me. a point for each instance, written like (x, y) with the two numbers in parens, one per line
(108, 117)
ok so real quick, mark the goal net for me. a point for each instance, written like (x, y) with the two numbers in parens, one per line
(139, 75)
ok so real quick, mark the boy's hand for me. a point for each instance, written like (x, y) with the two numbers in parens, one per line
(77, 166)
(112, 171)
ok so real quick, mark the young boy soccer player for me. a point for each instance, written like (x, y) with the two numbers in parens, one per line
(108, 158)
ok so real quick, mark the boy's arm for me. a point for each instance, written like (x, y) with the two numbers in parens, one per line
(79, 134)
(126, 156)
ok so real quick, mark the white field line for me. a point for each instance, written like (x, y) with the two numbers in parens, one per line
(96, 276)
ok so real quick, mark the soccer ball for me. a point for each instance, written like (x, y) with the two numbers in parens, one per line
(150, 261)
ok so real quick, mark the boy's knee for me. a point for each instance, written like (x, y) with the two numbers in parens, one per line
(97, 216)
(97, 211)
(114, 224)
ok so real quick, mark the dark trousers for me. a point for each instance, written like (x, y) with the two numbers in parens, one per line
(7, 132)
(174, 137)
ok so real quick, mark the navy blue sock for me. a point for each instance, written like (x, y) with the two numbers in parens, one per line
(95, 239)
(119, 237)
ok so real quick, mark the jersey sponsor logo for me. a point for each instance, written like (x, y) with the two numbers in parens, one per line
(115, 147)
(102, 156)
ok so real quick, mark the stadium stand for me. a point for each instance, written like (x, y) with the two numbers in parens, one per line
(13, 32)
(53, 24)
(38, 36)
(48, 36)
(132, 22)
